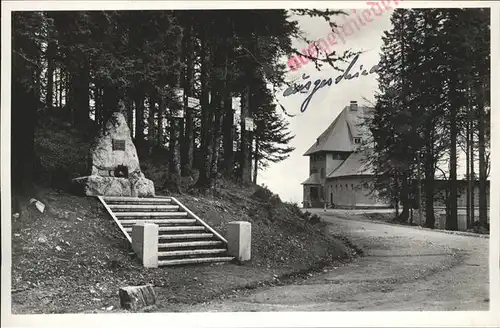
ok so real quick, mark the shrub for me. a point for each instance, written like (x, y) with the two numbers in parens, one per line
(314, 219)
(266, 195)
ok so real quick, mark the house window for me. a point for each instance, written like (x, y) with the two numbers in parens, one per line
(322, 172)
(352, 186)
(357, 140)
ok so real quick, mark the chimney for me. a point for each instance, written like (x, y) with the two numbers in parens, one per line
(353, 105)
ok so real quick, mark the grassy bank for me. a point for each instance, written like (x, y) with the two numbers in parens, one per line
(73, 258)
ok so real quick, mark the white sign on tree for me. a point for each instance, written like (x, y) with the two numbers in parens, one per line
(179, 93)
(236, 105)
(193, 102)
(249, 124)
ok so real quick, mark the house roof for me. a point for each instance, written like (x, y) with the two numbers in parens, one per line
(355, 164)
(312, 180)
(339, 135)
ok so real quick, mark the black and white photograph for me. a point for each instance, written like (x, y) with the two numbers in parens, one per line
(186, 157)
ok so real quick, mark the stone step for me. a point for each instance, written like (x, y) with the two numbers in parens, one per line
(150, 214)
(142, 207)
(157, 221)
(136, 200)
(193, 252)
(190, 244)
(194, 260)
(187, 236)
(174, 228)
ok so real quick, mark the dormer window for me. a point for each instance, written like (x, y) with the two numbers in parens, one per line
(357, 140)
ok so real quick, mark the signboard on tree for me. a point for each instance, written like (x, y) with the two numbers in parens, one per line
(179, 93)
(193, 102)
(249, 124)
(236, 105)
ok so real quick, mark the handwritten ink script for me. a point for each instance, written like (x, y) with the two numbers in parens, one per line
(349, 27)
(320, 83)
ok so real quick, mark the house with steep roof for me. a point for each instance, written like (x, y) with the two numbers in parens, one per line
(338, 172)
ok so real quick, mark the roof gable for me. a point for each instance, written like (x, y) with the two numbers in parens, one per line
(355, 164)
(339, 135)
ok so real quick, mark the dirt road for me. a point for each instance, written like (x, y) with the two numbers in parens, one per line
(402, 268)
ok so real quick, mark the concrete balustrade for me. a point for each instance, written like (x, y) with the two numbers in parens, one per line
(239, 240)
(145, 243)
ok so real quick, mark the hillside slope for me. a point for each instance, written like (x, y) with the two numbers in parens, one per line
(73, 258)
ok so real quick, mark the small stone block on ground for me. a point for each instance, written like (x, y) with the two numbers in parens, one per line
(137, 297)
(239, 240)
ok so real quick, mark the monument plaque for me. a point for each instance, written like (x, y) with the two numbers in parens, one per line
(118, 144)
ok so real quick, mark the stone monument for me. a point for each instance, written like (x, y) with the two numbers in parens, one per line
(114, 164)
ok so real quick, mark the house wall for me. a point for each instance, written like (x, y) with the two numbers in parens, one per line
(326, 163)
(317, 164)
(333, 161)
(309, 200)
(351, 191)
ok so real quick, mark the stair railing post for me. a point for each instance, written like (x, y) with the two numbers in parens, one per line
(145, 243)
(239, 240)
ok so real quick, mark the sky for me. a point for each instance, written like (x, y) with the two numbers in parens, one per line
(285, 178)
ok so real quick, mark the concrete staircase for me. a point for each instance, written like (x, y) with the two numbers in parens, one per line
(183, 238)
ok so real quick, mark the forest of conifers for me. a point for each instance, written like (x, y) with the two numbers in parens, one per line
(87, 65)
(434, 99)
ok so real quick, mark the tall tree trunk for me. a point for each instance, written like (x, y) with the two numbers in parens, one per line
(174, 169)
(81, 96)
(483, 207)
(129, 105)
(61, 87)
(470, 157)
(151, 121)
(430, 219)
(97, 105)
(23, 124)
(139, 121)
(216, 107)
(110, 102)
(188, 144)
(228, 131)
(221, 92)
(452, 220)
(472, 174)
(256, 161)
(216, 141)
(67, 90)
(70, 97)
(56, 87)
(161, 113)
(467, 173)
(405, 202)
(206, 135)
(228, 123)
(51, 50)
(246, 159)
